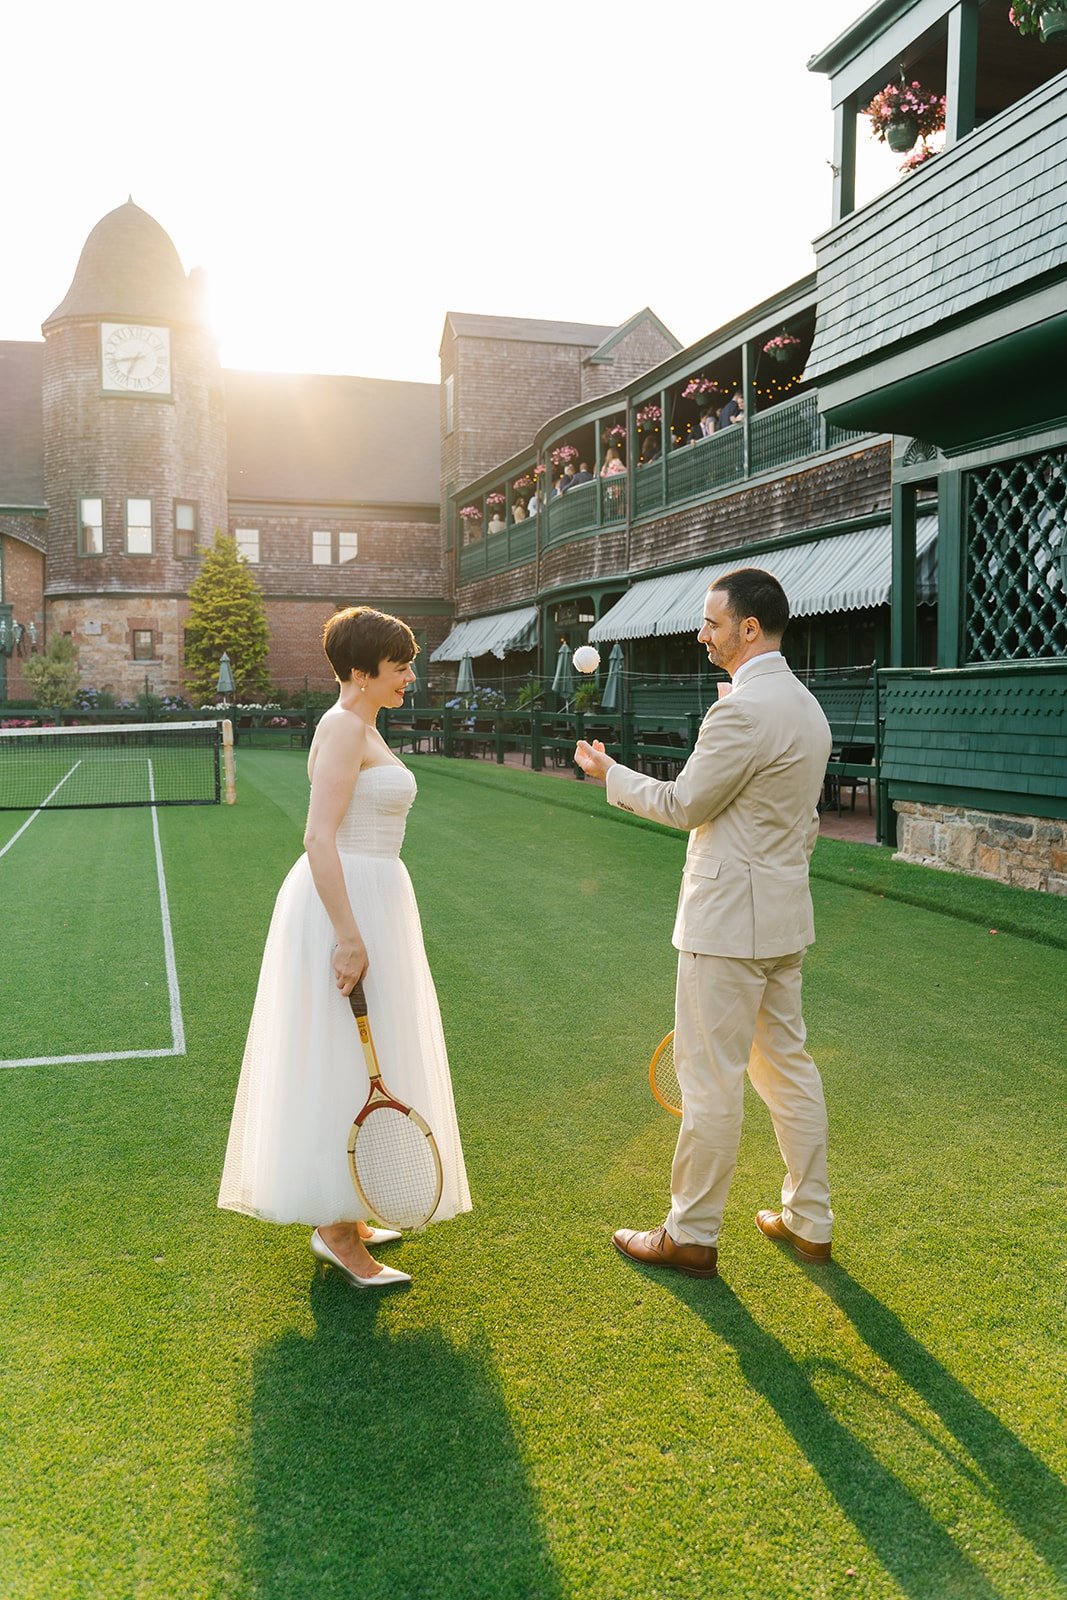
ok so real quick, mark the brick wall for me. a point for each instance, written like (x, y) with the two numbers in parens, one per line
(23, 571)
(116, 447)
(395, 557)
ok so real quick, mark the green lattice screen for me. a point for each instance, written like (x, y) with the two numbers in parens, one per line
(1016, 598)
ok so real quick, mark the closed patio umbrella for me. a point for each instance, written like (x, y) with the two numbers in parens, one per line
(611, 699)
(225, 684)
(563, 682)
(465, 680)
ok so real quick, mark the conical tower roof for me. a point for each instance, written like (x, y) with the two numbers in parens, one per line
(128, 268)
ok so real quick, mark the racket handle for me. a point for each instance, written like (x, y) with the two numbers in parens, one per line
(358, 1001)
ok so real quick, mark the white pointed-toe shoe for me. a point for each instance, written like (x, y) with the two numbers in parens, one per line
(382, 1279)
(381, 1235)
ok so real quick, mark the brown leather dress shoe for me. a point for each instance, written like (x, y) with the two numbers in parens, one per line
(658, 1249)
(770, 1223)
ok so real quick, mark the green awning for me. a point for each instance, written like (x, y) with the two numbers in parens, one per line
(490, 636)
(843, 573)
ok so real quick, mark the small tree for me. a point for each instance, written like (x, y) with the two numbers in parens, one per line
(54, 676)
(226, 613)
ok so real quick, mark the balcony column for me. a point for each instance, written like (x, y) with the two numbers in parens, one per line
(951, 568)
(844, 162)
(902, 616)
(962, 62)
(747, 390)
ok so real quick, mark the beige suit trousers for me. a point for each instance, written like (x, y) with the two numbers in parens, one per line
(731, 1016)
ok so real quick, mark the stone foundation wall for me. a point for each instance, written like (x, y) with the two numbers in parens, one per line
(1029, 852)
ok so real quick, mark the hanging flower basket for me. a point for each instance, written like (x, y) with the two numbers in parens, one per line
(615, 436)
(917, 158)
(783, 347)
(495, 499)
(902, 134)
(564, 453)
(702, 390)
(524, 483)
(1049, 22)
(649, 418)
(471, 513)
(900, 112)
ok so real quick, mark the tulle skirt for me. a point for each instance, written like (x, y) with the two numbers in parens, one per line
(304, 1078)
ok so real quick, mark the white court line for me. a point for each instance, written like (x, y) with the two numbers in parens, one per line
(40, 808)
(177, 1025)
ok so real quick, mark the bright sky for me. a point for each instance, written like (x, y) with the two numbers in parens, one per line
(348, 172)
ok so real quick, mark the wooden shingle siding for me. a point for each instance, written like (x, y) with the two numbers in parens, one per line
(965, 733)
(973, 224)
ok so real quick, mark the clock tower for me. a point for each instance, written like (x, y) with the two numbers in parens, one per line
(134, 453)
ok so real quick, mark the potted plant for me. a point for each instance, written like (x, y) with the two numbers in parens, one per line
(586, 697)
(471, 513)
(523, 484)
(496, 499)
(648, 418)
(1046, 18)
(614, 436)
(783, 347)
(564, 453)
(900, 112)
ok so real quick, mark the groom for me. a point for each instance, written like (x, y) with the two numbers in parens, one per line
(747, 796)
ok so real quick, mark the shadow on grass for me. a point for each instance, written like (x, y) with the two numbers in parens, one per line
(385, 1465)
(1026, 1491)
(910, 1544)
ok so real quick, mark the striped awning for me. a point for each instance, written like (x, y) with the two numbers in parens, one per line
(490, 636)
(844, 573)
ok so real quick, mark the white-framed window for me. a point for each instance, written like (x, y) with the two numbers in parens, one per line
(333, 549)
(90, 526)
(138, 527)
(247, 543)
(185, 529)
(450, 403)
(144, 644)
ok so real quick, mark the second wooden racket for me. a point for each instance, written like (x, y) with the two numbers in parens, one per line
(662, 1078)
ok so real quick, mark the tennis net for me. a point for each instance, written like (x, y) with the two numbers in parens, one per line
(134, 764)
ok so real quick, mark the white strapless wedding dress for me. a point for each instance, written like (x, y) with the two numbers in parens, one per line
(304, 1078)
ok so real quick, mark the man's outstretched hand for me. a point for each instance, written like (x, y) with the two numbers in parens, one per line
(592, 758)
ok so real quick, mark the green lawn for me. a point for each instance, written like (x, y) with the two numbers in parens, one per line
(191, 1411)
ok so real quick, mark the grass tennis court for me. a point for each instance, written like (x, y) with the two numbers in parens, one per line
(190, 1411)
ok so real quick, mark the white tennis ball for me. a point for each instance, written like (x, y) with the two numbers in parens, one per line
(586, 658)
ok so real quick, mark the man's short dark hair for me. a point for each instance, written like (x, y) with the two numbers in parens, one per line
(360, 638)
(751, 592)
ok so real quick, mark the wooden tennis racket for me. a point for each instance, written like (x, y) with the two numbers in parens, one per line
(393, 1156)
(662, 1078)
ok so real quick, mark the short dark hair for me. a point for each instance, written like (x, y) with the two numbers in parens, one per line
(751, 592)
(360, 639)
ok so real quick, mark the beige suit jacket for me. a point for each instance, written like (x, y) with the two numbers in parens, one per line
(747, 796)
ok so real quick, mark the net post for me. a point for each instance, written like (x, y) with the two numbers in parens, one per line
(227, 761)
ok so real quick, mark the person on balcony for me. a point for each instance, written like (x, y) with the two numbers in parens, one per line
(496, 523)
(709, 420)
(649, 448)
(732, 411)
(518, 511)
(559, 485)
(613, 463)
(531, 509)
(583, 475)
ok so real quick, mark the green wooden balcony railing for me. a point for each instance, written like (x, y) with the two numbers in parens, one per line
(787, 433)
(516, 544)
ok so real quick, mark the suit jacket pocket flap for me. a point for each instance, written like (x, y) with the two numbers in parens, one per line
(703, 866)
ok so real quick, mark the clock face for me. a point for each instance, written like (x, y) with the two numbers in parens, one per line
(134, 359)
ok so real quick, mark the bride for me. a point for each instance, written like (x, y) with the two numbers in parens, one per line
(345, 913)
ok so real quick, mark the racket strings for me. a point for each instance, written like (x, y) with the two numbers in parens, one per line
(396, 1168)
(665, 1078)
